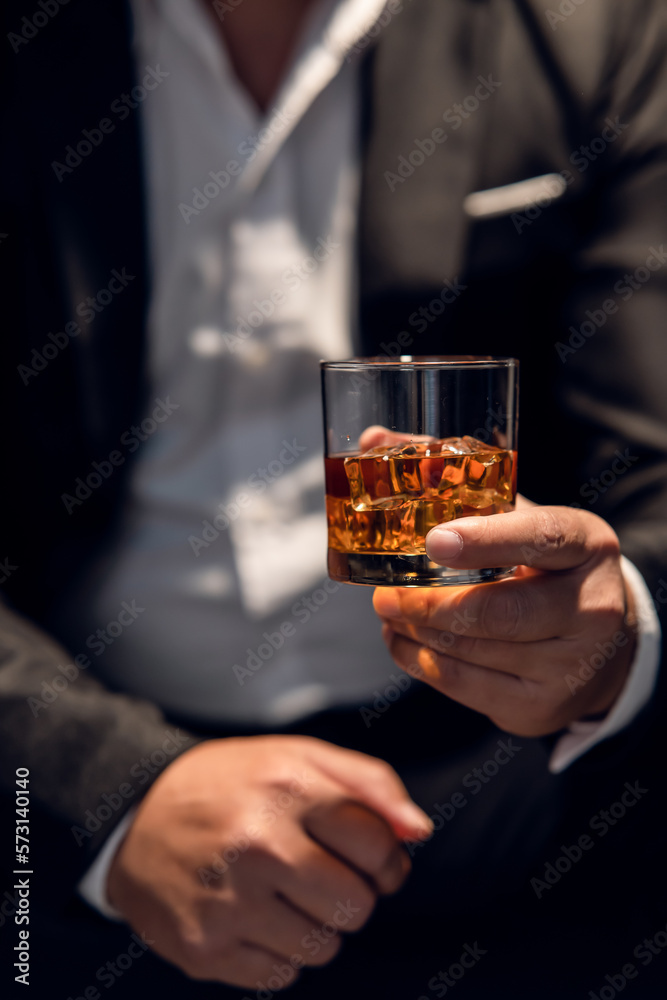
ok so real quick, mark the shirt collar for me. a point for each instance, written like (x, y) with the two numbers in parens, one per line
(336, 32)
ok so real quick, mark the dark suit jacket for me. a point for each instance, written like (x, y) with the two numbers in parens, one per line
(585, 98)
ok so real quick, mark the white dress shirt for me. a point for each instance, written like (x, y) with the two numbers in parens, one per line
(251, 234)
(249, 291)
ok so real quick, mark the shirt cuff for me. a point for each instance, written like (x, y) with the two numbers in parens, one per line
(93, 885)
(638, 688)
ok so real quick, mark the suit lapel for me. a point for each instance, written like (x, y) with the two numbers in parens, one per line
(412, 225)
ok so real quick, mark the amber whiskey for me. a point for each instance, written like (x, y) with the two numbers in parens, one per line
(386, 500)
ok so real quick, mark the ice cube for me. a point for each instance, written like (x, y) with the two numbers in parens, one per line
(406, 450)
(475, 445)
(454, 472)
(454, 446)
(405, 473)
(476, 497)
(355, 479)
(428, 513)
(381, 528)
(368, 478)
(367, 502)
(379, 449)
(484, 468)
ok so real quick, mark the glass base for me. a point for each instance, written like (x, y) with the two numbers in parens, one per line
(391, 569)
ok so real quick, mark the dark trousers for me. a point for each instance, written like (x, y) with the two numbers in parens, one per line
(503, 901)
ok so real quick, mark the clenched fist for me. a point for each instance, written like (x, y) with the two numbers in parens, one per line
(253, 852)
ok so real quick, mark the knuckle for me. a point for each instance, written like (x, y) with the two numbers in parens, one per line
(609, 623)
(417, 606)
(549, 534)
(547, 719)
(202, 956)
(605, 598)
(394, 873)
(544, 710)
(469, 649)
(385, 861)
(449, 670)
(605, 538)
(383, 773)
(326, 951)
(198, 972)
(444, 641)
(612, 605)
(609, 544)
(362, 900)
(503, 611)
(265, 850)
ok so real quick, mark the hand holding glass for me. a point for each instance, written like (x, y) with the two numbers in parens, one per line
(411, 443)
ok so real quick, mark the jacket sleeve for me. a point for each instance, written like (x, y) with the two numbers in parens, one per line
(613, 351)
(91, 754)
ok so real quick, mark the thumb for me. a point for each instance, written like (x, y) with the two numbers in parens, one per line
(374, 783)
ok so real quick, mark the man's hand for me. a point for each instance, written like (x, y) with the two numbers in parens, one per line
(512, 649)
(253, 852)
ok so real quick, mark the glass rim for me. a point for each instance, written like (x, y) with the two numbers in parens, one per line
(408, 362)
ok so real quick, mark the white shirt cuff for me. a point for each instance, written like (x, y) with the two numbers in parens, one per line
(93, 885)
(638, 688)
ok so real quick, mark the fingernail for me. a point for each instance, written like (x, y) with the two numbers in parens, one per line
(443, 543)
(413, 815)
(387, 603)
